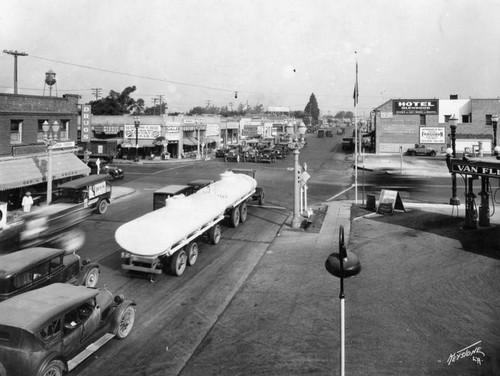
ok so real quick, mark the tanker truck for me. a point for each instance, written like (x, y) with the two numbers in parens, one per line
(166, 239)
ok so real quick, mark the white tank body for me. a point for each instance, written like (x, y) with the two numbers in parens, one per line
(155, 233)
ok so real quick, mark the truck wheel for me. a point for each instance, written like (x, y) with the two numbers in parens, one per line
(91, 278)
(433, 153)
(214, 234)
(178, 263)
(102, 207)
(262, 196)
(235, 217)
(243, 212)
(125, 322)
(192, 253)
(412, 153)
(54, 368)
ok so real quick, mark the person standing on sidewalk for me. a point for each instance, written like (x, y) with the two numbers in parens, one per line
(27, 202)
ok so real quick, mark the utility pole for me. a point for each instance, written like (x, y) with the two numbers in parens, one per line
(15, 54)
(97, 92)
(208, 103)
(160, 97)
(231, 105)
(154, 105)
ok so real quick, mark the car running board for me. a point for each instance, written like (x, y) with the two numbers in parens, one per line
(92, 348)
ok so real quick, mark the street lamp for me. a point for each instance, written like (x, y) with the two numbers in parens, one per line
(137, 123)
(453, 128)
(302, 131)
(50, 139)
(296, 220)
(494, 120)
(342, 265)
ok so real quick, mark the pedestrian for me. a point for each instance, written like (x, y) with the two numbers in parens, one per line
(27, 202)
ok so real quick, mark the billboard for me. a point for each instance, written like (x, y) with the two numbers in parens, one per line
(432, 135)
(415, 106)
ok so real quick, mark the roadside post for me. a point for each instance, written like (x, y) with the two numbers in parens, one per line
(342, 265)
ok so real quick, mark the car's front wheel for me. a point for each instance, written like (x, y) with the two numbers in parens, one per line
(91, 278)
(125, 322)
(53, 368)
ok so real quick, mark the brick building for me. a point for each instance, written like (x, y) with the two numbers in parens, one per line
(402, 123)
(24, 155)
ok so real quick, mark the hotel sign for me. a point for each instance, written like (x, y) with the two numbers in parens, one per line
(489, 170)
(415, 106)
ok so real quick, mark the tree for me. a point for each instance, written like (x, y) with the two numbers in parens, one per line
(312, 109)
(118, 103)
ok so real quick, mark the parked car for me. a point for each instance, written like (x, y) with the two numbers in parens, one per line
(32, 268)
(278, 152)
(221, 152)
(329, 133)
(233, 154)
(267, 155)
(421, 150)
(49, 331)
(348, 143)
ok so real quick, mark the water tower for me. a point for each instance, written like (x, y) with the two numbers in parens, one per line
(50, 79)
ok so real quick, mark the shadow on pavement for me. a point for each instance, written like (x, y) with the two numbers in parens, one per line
(483, 241)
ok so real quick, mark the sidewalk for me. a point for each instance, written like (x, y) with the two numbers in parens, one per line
(404, 312)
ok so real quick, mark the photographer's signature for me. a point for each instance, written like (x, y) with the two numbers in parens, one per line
(473, 351)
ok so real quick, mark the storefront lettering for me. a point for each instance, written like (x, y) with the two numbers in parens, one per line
(476, 170)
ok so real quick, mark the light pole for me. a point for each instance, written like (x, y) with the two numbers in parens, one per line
(50, 139)
(296, 220)
(137, 123)
(494, 120)
(342, 265)
(453, 128)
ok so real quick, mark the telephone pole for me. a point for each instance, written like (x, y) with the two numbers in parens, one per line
(97, 92)
(15, 54)
(160, 97)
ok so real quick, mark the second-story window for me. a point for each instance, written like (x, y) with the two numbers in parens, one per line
(422, 120)
(40, 133)
(16, 128)
(488, 120)
(64, 130)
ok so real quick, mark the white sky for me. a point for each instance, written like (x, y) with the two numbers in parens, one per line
(273, 52)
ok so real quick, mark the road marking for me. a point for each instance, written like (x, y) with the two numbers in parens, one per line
(338, 194)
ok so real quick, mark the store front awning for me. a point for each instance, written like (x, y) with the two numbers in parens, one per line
(190, 141)
(21, 172)
(140, 143)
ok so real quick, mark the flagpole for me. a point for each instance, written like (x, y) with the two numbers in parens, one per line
(356, 95)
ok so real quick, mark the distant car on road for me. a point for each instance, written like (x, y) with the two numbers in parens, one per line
(104, 168)
(49, 331)
(32, 268)
(420, 150)
(348, 143)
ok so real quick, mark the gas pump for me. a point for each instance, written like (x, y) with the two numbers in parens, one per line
(470, 205)
(484, 209)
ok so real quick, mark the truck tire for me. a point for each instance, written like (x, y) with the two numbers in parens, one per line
(262, 196)
(102, 207)
(234, 218)
(243, 212)
(192, 253)
(177, 263)
(412, 153)
(214, 234)
(432, 153)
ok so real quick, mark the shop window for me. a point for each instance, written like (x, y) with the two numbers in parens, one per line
(488, 120)
(16, 127)
(422, 120)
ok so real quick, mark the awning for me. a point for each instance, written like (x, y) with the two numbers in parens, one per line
(190, 141)
(140, 143)
(15, 173)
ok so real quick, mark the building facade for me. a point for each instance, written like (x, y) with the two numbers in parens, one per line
(28, 124)
(402, 123)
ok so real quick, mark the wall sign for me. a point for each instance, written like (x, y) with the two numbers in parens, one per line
(432, 135)
(86, 127)
(415, 106)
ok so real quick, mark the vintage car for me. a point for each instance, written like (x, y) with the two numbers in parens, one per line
(116, 173)
(267, 156)
(279, 152)
(93, 191)
(221, 152)
(420, 150)
(32, 268)
(49, 331)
